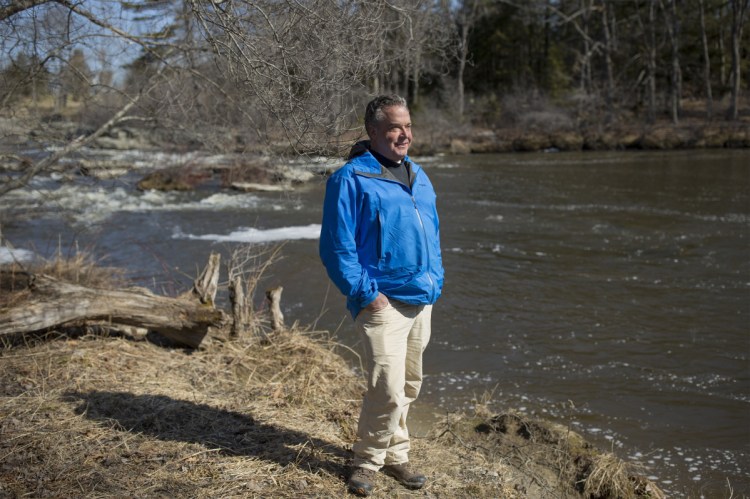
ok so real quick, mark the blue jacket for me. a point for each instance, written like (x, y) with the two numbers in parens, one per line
(378, 235)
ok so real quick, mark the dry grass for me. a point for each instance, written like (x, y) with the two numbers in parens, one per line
(547, 459)
(109, 417)
(113, 417)
(609, 476)
(78, 267)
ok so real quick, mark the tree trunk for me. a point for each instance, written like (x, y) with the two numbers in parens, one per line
(609, 89)
(586, 78)
(676, 67)
(546, 50)
(722, 54)
(672, 24)
(706, 61)
(52, 303)
(739, 9)
(416, 76)
(651, 62)
(467, 16)
(463, 56)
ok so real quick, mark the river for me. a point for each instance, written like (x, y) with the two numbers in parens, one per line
(607, 291)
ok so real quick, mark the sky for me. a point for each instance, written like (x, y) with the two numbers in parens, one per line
(51, 31)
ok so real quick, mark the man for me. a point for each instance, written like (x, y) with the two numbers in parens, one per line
(381, 247)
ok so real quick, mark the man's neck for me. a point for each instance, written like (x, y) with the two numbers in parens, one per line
(398, 169)
(388, 163)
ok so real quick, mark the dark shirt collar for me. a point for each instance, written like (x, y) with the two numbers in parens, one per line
(385, 161)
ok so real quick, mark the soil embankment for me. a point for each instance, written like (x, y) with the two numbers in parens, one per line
(661, 136)
(431, 137)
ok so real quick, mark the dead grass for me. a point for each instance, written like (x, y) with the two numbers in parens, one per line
(113, 417)
(547, 459)
(609, 476)
(78, 267)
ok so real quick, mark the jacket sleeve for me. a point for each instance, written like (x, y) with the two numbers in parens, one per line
(338, 248)
(441, 269)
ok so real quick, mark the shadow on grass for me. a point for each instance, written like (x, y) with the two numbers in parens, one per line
(233, 433)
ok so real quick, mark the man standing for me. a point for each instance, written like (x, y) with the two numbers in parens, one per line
(380, 244)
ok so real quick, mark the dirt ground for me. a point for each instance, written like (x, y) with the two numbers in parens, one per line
(118, 416)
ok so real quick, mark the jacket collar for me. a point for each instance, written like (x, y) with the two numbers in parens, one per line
(366, 164)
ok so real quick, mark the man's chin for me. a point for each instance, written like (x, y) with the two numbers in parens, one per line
(401, 152)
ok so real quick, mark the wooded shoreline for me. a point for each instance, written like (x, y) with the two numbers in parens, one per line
(430, 138)
(664, 136)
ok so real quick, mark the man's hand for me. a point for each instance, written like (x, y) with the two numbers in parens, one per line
(378, 303)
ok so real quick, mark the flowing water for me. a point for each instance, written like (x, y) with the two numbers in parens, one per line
(606, 291)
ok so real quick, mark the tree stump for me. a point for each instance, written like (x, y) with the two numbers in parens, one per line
(274, 301)
(239, 307)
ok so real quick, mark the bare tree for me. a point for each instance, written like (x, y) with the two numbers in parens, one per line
(467, 15)
(292, 72)
(609, 71)
(706, 60)
(648, 29)
(296, 60)
(586, 80)
(672, 25)
(739, 13)
(431, 38)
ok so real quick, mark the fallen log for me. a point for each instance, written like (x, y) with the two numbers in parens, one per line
(52, 303)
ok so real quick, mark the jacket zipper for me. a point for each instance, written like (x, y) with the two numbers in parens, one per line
(426, 244)
(421, 224)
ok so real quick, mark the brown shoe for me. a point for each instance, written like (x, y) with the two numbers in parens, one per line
(361, 482)
(405, 476)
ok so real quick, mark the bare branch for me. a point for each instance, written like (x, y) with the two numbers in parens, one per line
(17, 6)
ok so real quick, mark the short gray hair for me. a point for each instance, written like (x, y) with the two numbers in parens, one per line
(374, 111)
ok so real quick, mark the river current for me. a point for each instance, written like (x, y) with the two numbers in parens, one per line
(606, 291)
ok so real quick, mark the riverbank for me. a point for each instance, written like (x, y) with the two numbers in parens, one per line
(112, 417)
(112, 412)
(169, 165)
(541, 133)
(690, 134)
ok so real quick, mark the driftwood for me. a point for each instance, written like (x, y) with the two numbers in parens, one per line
(274, 302)
(253, 187)
(239, 307)
(52, 303)
(205, 287)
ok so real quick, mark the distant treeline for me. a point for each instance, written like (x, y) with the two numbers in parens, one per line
(226, 73)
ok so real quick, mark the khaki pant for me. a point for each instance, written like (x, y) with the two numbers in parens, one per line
(394, 339)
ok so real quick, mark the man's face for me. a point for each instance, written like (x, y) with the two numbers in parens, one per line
(391, 136)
